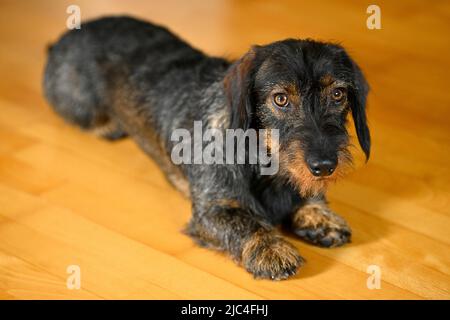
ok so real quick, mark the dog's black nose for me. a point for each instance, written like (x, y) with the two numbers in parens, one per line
(322, 168)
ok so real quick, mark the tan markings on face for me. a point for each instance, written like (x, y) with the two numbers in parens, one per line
(326, 80)
(328, 84)
(293, 165)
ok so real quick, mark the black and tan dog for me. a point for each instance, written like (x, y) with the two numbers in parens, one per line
(119, 77)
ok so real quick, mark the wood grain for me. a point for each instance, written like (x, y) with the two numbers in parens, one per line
(69, 198)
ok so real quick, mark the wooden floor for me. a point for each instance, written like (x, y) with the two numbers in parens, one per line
(68, 198)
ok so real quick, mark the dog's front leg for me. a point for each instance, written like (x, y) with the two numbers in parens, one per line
(224, 225)
(317, 224)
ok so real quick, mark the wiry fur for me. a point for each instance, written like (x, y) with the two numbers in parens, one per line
(119, 76)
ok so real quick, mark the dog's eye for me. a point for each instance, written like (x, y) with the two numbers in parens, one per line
(339, 94)
(281, 100)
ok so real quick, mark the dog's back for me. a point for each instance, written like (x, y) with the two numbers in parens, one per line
(119, 76)
(89, 70)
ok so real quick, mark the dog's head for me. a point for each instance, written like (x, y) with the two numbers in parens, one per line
(305, 89)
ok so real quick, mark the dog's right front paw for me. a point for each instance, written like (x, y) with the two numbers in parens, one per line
(317, 224)
(269, 256)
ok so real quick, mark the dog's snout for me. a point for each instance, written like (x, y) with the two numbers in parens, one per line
(322, 167)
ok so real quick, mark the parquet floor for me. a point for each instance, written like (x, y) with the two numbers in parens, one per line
(68, 198)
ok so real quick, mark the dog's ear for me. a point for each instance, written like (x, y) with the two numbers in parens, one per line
(358, 108)
(238, 88)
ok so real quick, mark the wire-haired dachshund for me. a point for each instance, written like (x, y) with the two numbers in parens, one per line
(119, 76)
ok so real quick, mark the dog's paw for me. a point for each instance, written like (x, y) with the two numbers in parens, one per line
(269, 256)
(317, 224)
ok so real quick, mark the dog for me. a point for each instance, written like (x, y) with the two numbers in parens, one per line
(120, 76)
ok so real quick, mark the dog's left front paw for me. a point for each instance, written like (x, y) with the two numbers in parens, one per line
(317, 224)
(268, 256)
